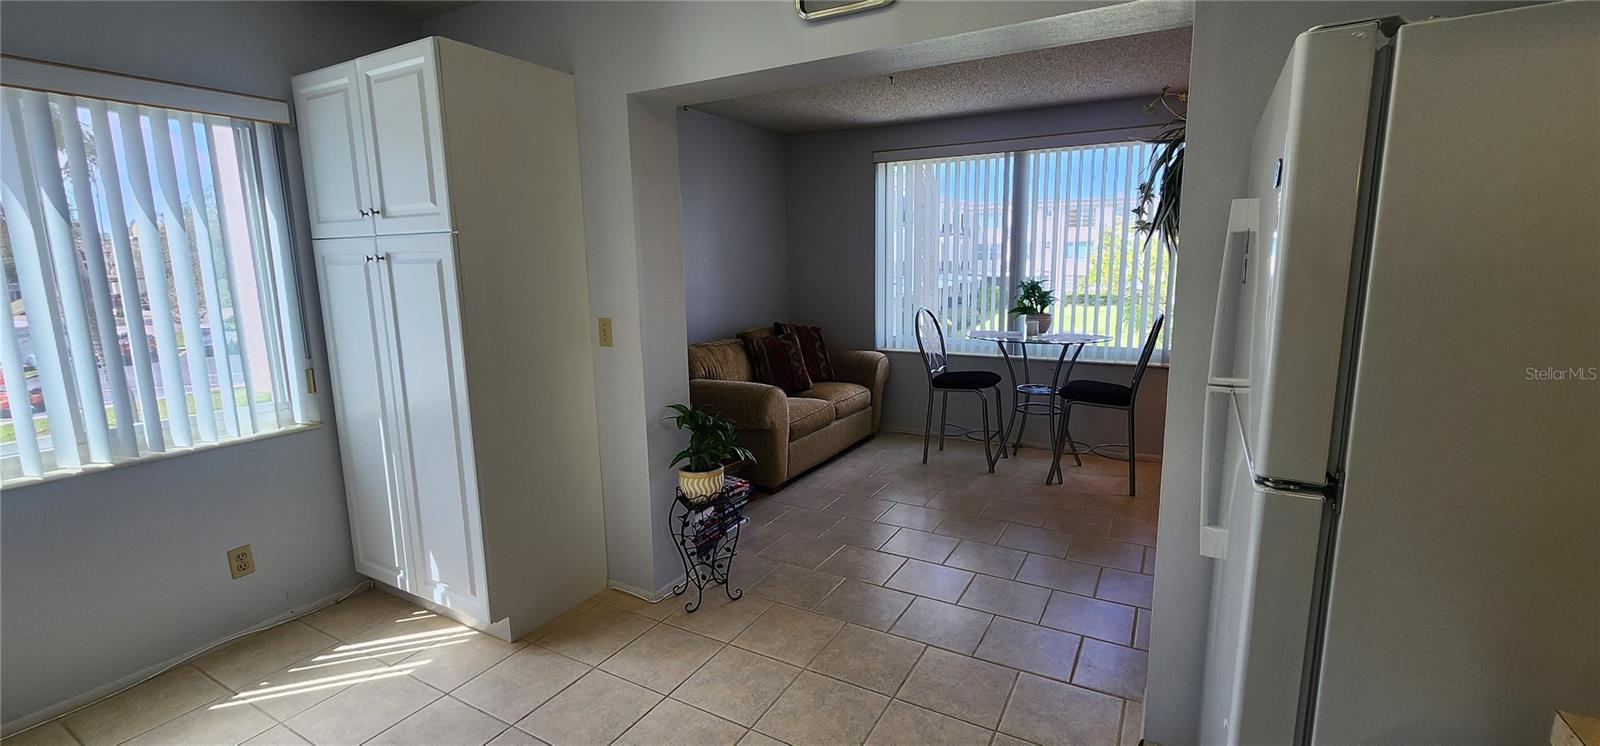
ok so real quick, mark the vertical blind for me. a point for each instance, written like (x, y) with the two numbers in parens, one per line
(956, 235)
(150, 299)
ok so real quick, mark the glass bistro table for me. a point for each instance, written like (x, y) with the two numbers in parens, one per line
(1023, 393)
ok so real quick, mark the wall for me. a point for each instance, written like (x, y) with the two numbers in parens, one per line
(734, 243)
(831, 257)
(633, 63)
(109, 574)
(1238, 49)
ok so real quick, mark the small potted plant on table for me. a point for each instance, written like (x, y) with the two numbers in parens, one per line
(711, 446)
(1033, 304)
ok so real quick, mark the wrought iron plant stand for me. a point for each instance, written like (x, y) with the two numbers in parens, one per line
(707, 534)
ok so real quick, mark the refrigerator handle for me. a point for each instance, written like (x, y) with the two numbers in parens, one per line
(1213, 472)
(1244, 218)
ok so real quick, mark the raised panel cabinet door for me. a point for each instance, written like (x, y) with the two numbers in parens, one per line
(358, 358)
(437, 456)
(334, 152)
(400, 104)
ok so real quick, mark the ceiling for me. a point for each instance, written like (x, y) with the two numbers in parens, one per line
(1093, 71)
(422, 10)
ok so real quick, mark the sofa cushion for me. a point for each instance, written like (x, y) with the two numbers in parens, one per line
(722, 360)
(812, 347)
(807, 416)
(776, 361)
(846, 398)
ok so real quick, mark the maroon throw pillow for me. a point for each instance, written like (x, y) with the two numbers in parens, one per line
(812, 348)
(776, 360)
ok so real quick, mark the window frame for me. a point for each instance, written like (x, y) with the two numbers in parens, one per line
(1016, 151)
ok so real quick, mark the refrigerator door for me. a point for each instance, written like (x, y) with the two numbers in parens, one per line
(1306, 173)
(1263, 587)
(1463, 603)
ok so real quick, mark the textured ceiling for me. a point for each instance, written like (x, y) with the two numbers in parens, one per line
(1092, 71)
(422, 10)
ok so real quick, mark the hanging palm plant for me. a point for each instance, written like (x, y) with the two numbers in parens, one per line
(1156, 212)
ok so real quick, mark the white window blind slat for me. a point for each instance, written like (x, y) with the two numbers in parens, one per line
(89, 411)
(127, 271)
(146, 269)
(172, 205)
(242, 235)
(207, 246)
(268, 357)
(73, 138)
(292, 341)
(167, 373)
(19, 410)
(35, 285)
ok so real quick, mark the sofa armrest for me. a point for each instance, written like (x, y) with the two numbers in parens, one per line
(751, 406)
(867, 368)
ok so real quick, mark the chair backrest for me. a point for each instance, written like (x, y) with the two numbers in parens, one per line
(1149, 349)
(928, 333)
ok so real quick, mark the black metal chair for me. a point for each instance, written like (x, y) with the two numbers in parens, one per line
(1104, 395)
(945, 381)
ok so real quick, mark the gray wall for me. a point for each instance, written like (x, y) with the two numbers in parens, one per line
(1238, 49)
(831, 255)
(633, 63)
(734, 243)
(109, 574)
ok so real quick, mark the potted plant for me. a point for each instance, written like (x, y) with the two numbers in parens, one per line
(1033, 304)
(711, 447)
(1157, 210)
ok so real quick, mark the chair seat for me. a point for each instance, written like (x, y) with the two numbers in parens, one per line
(971, 380)
(1097, 392)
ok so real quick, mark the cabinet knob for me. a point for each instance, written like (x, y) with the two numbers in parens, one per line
(383, 257)
(368, 258)
(375, 211)
(363, 213)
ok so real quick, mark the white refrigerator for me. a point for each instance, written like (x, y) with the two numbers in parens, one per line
(1401, 474)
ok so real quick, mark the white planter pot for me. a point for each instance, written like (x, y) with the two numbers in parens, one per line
(1036, 323)
(700, 484)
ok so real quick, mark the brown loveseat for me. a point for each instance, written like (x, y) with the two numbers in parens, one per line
(789, 434)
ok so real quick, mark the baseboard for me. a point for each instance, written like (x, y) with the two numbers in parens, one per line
(1026, 442)
(101, 692)
(500, 629)
(651, 596)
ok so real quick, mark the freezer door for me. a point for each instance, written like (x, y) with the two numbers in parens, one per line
(1262, 593)
(1307, 175)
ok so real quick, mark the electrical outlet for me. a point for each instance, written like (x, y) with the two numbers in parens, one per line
(605, 331)
(241, 561)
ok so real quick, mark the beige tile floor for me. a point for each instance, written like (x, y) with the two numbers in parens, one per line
(886, 602)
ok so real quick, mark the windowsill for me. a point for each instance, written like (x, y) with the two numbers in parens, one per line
(1049, 360)
(60, 474)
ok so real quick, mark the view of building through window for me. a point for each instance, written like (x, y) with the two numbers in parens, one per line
(957, 234)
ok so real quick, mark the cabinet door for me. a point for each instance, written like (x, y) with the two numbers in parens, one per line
(357, 335)
(333, 152)
(405, 142)
(437, 461)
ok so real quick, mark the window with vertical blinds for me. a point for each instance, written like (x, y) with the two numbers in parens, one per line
(956, 235)
(150, 298)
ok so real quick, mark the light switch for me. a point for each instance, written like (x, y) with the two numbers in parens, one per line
(605, 332)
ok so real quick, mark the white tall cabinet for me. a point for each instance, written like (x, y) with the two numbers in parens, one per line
(442, 186)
